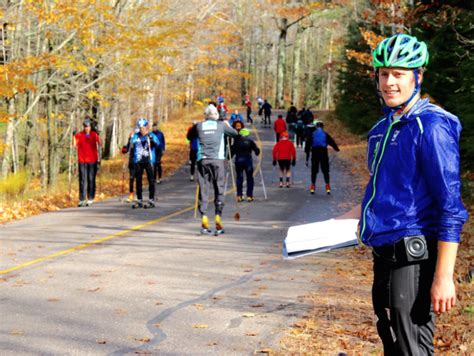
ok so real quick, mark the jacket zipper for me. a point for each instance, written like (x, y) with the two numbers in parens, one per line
(374, 178)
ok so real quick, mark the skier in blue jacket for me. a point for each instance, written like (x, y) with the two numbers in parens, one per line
(143, 146)
(319, 141)
(412, 213)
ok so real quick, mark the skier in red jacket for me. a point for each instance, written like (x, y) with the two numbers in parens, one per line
(279, 126)
(285, 153)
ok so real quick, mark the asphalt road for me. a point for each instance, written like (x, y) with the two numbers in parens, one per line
(111, 280)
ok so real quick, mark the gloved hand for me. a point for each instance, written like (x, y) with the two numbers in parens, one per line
(98, 165)
(124, 150)
(293, 163)
(306, 163)
(274, 162)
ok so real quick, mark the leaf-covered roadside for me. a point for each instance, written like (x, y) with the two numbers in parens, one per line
(342, 319)
(112, 179)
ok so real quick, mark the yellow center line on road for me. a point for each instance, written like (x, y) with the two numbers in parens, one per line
(120, 233)
(95, 242)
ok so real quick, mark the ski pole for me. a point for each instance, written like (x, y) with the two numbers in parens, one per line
(263, 183)
(196, 201)
(225, 185)
(231, 169)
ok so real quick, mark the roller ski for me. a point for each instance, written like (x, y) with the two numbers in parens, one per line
(137, 204)
(219, 226)
(205, 226)
(149, 204)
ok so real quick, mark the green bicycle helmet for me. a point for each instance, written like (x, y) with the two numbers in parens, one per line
(400, 50)
(244, 132)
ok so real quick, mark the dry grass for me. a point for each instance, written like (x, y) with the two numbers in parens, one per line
(111, 181)
(342, 319)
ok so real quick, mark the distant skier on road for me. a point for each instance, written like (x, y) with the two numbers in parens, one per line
(284, 153)
(319, 142)
(242, 149)
(143, 145)
(88, 154)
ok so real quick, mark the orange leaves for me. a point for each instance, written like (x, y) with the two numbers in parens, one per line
(361, 57)
(371, 38)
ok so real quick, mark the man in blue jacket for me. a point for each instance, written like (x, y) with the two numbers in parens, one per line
(143, 145)
(412, 214)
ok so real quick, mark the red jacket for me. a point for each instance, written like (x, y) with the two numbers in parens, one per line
(284, 150)
(87, 151)
(280, 126)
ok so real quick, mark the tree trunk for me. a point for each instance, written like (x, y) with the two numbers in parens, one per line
(281, 64)
(8, 157)
(329, 101)
(295, 88)
(114, 135)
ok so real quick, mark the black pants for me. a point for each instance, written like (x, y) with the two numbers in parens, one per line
(211, 174)
(277, 136)
(244, 164)
(87, 174)
(132, 174)
(192, 160)
(158, 171)
(319, 156)
(402, 302)
(299, 137)
(249, 117)
(291, 132)
(267, 116)
(148, 167)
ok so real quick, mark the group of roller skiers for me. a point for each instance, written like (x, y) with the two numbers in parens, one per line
(211, 142)
(216, 139)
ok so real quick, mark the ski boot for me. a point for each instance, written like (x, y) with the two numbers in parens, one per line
(250, 199)
(281, 184)
(205, 226)
(312, 188)
(149, 204)
(129, 199)
(219, 226)
(82, 203)
(328, 189)
(89, 203)
(240, 198)
(288, 184)
(137, 204)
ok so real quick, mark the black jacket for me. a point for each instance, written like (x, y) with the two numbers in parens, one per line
(243, 147)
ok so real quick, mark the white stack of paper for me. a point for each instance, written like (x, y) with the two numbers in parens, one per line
(302, 240)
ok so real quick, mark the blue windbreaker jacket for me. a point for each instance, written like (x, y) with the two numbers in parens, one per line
(414, 188)
(144, 147)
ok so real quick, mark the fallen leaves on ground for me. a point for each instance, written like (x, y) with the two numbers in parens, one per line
(200, 326)
(111, 181)
(342, 319)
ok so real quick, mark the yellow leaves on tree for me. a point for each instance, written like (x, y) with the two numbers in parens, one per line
(14, 75)
(372, 40)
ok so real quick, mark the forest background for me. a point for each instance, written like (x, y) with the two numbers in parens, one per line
(117, 60)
